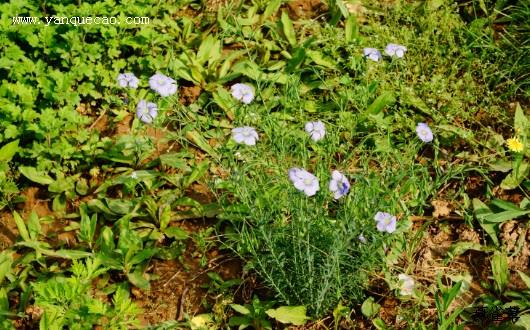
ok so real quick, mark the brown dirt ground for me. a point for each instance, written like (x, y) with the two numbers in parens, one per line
(177, 291)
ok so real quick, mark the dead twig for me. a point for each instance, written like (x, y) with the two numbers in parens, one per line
(417, 218)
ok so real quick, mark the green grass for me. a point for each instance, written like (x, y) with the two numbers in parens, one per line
(124, 200)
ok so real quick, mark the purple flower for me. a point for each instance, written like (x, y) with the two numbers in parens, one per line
(386, 222)
(315, 129)
(395, 50)
(163, 85)
(146, 111)
(424, 132)
(304, 181)
(362, 239)
(338, 184)
(246, 135)
(372, 54)
(243, 93)
(406, 284)
(128, 80)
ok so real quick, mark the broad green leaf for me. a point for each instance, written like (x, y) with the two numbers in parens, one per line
(524, 321)
(197, 172)
(81, 186)
(35, 176)
(516, 176)
(176, 233)
(408, 97)
(288, 28)
(242, 321)
(21, 226)
(8, 151)
(225, 101)
(459, 131)
(501, 166)
(299, 55)
(271, 8)
(202, 322)
(227, 64)
(499, 268)
(97, 205)
(201, 142)
(481, 211)
(461, 247)
(379, 324)
(524, 277)
(320, 59)
(385, 99)
(142, 256)
(164, 216)
(209, 50)
(120, 206)
(240, 309)
(6, 259)
(174, 160)
(138, 280)
(289, 314)
(370, 308)
(63, 184)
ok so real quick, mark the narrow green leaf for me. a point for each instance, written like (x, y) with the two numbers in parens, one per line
(67, 254)
(271, 8)
(351, 29)
(499, 268)
(505, 205)
(504, 216)
(21, 226)
(288, 28)
(34, 227)
(524, 277)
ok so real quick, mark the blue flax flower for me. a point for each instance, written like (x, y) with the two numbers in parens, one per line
(315, 129)
(424, 132)
(146, 111)
(304, 181)
(338, 184)
(163, 85)
(395, 50)
(243, 93)
(372, 54)
(128, 80)
(246, 135)
(386, 222)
